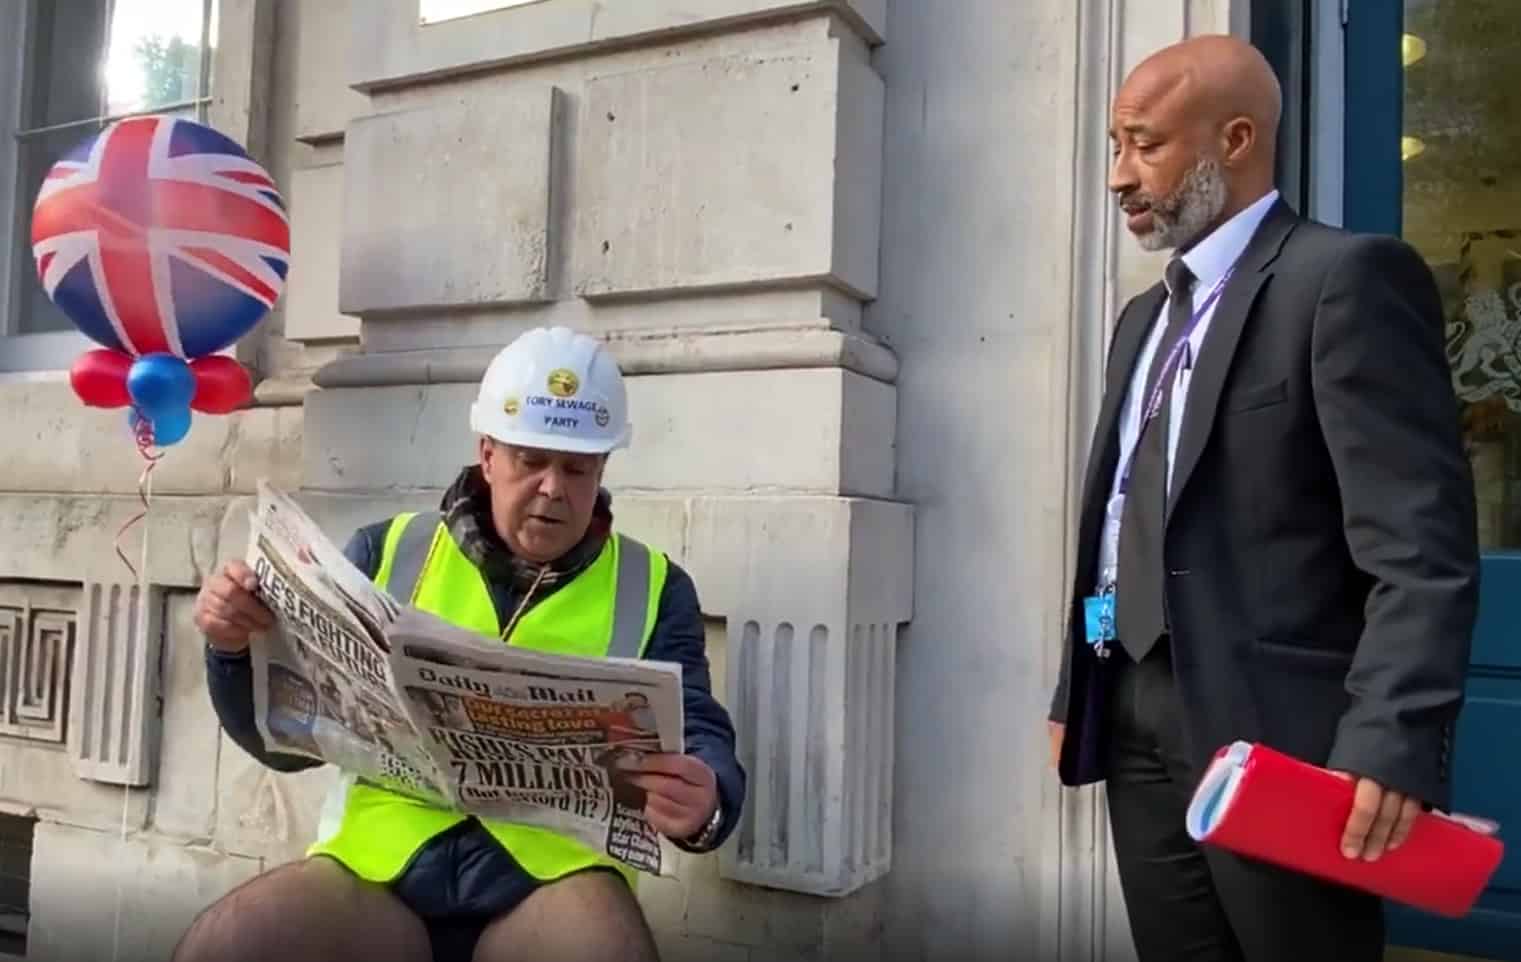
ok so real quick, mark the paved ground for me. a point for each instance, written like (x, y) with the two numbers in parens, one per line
(1415, 955)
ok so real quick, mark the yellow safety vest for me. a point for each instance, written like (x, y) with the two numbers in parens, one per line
(607, 610)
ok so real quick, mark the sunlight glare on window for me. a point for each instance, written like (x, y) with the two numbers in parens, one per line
(153, 58)
(433, 11)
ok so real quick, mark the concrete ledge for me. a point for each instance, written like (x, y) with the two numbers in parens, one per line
(762, 350)
(390, 48)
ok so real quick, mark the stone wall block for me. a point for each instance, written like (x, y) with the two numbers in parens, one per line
(74, 538)
(677, 947)
(63, 447)
(818, 430)
(184, 805)
(447, 204)
(267, 814)
(266, 443)
(311, 294)
(747, 169)
(97, 895)
(324, 101)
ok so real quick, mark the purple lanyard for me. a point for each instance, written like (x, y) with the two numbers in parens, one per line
(1154, 402)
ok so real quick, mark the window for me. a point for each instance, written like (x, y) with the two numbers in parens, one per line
(15, 882)
(1459, 204)
(80, 65)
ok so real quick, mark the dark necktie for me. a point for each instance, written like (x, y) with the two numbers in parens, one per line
(1139, 613)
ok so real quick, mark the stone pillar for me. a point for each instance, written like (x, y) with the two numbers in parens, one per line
(1002, 265)
(702, 191)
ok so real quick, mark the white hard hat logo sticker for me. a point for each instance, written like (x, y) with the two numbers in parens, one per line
(563, 383)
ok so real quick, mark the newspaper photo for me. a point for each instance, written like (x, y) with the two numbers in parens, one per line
(402, 699)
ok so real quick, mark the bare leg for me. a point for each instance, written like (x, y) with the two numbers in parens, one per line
(312, 910)
(586, 917)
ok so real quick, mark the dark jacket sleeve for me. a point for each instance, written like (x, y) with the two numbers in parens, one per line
(679, 637)
(1060, 696)
(1384, 397)
(229, 678)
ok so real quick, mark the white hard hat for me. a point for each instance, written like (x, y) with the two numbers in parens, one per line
(554, 389)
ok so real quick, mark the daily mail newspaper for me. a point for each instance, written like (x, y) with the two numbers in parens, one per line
(400, 698)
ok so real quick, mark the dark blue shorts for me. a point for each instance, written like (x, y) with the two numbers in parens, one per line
(458, 883)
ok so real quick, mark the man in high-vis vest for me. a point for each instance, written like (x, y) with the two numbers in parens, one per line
(523, 549)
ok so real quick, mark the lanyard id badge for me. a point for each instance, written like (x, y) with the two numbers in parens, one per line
(1098, 618)
(1099, 608)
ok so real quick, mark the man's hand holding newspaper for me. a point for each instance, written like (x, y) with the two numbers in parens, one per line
(393, 695)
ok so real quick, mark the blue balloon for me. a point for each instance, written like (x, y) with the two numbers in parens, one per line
(161, 384)
(167, 427)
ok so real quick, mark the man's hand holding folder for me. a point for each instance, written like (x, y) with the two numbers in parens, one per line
(1380, 821)
(1263, 804)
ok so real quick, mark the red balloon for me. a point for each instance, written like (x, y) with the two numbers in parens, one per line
(99, 377)
(221, 384)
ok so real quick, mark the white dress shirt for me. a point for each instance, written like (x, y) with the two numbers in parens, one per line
(1208, 260)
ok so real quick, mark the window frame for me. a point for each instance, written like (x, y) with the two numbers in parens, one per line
(51, 353)
(1284, 32)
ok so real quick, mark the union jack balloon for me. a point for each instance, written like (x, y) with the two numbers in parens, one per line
(161, 239)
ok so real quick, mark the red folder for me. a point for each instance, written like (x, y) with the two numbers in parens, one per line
(1262, 804)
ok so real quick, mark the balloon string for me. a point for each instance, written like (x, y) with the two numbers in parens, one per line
(143, 435)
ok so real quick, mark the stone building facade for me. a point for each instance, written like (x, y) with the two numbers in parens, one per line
(856, 260)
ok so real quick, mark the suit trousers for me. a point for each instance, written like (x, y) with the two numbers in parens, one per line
(1193, 903)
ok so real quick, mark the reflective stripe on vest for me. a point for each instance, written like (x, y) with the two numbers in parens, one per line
(607, 609)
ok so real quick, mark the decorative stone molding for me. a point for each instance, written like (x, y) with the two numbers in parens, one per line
(814, 713)
(114, 712)
(390, 47)
(80, 667)
(637, 355)
(814, 591)
(37, 634)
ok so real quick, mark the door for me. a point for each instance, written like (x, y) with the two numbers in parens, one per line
(1432, 152)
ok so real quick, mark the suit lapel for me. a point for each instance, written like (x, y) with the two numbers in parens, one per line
(1222, 339)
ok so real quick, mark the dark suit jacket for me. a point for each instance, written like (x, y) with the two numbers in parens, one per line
(1320, 543)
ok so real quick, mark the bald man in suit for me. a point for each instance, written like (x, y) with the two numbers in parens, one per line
(1278, 507)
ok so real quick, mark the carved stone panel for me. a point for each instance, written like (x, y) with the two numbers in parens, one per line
(115, 710)
(37, 630)
(814, 710)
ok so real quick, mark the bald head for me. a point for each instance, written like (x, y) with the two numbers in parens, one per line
(1195, 130)
(1214, 79)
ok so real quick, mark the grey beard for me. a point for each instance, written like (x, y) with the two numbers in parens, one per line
(1184, 217)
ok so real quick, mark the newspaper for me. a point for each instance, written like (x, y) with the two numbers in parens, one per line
(400, 698)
